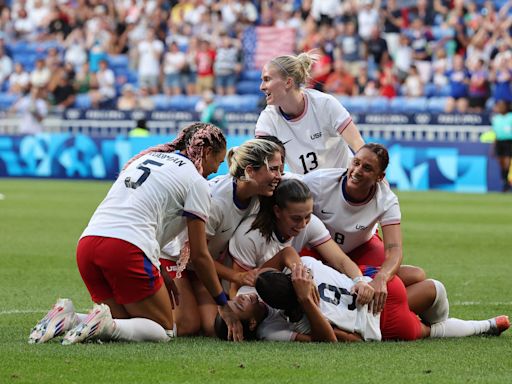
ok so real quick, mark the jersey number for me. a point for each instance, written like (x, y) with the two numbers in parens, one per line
(309, 161)
(332, 295)
(339, 238)
(145, 173)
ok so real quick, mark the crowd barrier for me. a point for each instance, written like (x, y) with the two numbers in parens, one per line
(459, 166)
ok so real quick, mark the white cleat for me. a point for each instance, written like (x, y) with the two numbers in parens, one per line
(98, 324)
(60, 319)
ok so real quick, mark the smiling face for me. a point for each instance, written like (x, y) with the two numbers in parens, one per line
(364, 171)
(266, 178)
(246, 307)
(273, 84)
(293, 218)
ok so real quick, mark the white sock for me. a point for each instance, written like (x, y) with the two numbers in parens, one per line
(440, 308)
(459, 328)
(139, 329)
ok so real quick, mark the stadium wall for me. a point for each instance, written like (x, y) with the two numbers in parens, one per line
(414, 165)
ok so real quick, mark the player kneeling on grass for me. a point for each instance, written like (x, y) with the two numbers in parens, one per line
(159, 193)
(293, 313)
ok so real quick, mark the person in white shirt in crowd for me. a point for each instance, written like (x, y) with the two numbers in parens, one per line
(40, 76)
(315, 128)
(173, 64)
(19, 81)
(32, 109)
(149, 54)
(106, 91)
(6, 65)
(254, 171)
(159, 193)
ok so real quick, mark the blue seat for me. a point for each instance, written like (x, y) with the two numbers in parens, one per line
(7, 100)
(404, 104)
(358, 104)
(161, 101)
(248, 87)
(118, 62)
(238, 103)
(379, 104)
(251, 74)
(83, 101)
(183, 102)
(436, 104)
(430, 89)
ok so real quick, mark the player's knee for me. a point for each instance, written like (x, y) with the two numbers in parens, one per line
(411, 274)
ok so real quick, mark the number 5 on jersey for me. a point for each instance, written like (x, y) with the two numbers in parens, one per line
(146, 171)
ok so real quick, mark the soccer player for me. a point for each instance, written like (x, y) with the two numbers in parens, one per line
(159, 193)
(255, 170)
(352, 203)
(284, 220)
(292, 314)
(315, 128)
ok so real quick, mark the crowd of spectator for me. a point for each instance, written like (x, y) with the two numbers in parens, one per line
(455, 48)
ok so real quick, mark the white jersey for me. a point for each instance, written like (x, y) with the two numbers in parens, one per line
(313, 139)
(350, 224)
(226, 213)
(148, 203)
(337, 304)
(251, 250)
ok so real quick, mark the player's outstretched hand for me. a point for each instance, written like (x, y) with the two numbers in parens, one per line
(235, 330)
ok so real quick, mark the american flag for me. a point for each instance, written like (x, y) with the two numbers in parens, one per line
(261, 44)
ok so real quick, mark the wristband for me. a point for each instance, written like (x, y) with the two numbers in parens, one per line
(358, 279)
(221, 299)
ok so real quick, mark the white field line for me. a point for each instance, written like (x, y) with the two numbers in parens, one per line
(455, 303)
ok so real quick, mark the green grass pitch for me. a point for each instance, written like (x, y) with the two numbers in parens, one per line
(463, 240)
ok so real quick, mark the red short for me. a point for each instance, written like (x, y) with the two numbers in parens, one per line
(171, 267)
(114, 268)
(306, 251)
(397, 321)
(370, 253)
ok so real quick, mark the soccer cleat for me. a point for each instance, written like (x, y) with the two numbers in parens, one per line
(57, 321)
(499, 325)
(98, 324)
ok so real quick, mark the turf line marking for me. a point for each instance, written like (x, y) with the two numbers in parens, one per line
(454, 303)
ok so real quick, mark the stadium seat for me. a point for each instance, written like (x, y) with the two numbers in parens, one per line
(436, 104)
(379, 104)
(83, 101)
(183, 102)
(430, 89)
(7, 100)
(161, 101)
(118, 62)
(251, 74)
(358, 104)
(404, 104)
(248, 87)
(237, 103)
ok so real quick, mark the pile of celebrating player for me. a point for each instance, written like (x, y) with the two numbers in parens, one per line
(310, 255)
